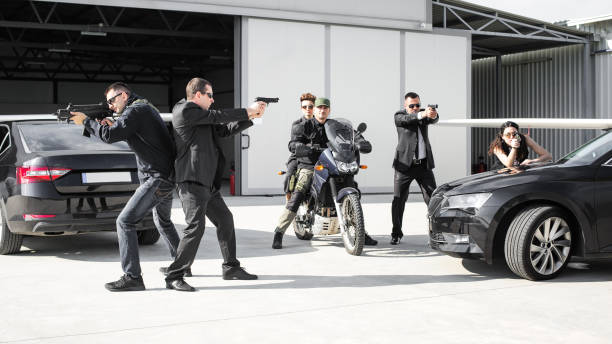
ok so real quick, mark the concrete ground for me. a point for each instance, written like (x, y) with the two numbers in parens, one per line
(308, 292)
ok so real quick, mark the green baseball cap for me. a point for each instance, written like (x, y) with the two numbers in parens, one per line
(322, 101)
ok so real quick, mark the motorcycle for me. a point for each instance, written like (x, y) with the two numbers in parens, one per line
(333, 204)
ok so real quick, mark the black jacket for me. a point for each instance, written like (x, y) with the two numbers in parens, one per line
(196, 131)
(141, 126)
(307, 133)
(296, 122)
(407, 132)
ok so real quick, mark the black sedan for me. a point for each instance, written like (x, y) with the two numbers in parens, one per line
(535, 218)
(55, 181)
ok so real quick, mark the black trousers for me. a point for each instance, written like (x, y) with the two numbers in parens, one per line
(200, 201)
(401, 187)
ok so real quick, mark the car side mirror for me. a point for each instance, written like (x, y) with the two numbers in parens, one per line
(362, 127)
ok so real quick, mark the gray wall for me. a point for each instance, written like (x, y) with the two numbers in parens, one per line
(21, 97)
(398, 14)
(539, 84)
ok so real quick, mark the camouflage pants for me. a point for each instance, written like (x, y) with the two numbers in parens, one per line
(304, 179)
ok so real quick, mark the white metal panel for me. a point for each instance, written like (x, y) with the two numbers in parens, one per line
(364, 80)
(410, 15)
(438, 69)
(280, 59)
(603, 85)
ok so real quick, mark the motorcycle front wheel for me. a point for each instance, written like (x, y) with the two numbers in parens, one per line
(302, 228)
(354, 231)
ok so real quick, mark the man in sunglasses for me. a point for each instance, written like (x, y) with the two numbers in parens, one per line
(413, 158)
(307, 105)
(199, 168)
(141, 126)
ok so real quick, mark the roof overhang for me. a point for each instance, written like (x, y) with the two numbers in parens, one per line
(497, 33)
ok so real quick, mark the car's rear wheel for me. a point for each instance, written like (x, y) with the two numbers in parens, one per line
(538, 243)
(148, 236)
(9, 242)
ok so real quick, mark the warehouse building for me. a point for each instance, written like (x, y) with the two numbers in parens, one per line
(471, 60)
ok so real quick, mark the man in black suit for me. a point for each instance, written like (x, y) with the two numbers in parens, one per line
(413, 158)
(198, 167)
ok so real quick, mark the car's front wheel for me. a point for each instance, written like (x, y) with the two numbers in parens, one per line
(148, 236)
(9, 242)
(538, 243)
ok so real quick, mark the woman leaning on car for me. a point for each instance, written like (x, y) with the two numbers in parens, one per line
(512, 148)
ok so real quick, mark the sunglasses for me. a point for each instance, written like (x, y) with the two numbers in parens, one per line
(412, 106)
(511, 135)
(111, 100)
(209, 94)
(308, 107)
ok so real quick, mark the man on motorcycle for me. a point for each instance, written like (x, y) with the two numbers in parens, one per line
(303, 137)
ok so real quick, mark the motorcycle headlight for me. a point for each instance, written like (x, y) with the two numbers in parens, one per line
(466, 202)
(347, 167)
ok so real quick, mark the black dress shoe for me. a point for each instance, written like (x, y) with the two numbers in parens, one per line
(369, 241)
(277, 243)
(395, 240)
(179, 284)
(164, 270)
(238, 273)
(126, 283)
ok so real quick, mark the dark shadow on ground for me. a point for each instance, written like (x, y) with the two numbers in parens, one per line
(578, 270)
(310, 281)
(103, 247)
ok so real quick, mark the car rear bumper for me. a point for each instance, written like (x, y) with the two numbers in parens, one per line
(39, 216)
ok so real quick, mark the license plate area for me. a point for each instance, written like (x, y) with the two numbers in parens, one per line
(106, 177)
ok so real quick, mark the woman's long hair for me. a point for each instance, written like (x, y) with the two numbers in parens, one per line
(499, 142)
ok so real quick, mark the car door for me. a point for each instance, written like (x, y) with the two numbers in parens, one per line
(603, 204)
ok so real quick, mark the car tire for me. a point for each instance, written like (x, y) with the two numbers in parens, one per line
(538, 243)
(9, 242)
(148, 236)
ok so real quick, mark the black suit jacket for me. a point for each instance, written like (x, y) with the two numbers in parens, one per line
(407, 125)
(196, 131)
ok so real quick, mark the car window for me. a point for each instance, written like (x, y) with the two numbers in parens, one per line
(5, 138)
(62, 136)
(590, 151)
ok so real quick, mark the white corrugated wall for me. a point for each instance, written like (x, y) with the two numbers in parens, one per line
(539, 84)
(603, 85)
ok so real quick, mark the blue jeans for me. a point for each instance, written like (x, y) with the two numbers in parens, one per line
(152, 194)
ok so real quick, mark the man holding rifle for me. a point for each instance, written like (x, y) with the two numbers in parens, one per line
(141, 126)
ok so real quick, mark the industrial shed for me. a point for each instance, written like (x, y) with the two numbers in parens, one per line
(363, 57)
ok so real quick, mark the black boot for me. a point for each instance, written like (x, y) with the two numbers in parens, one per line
(369, 241)
(278, 240)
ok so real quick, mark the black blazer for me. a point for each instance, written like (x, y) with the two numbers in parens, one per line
(407, 125)
(196, 131)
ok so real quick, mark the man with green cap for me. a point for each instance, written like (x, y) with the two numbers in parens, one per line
(311, 132)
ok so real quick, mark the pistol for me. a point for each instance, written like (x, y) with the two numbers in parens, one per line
(433, 106)
(93, 111)
(266, 100)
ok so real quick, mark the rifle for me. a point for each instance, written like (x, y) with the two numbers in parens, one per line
(93, 111)
(266, 100)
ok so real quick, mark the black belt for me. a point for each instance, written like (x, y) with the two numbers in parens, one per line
(418, 161)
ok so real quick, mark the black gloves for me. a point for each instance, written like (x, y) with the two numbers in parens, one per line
(364, 147)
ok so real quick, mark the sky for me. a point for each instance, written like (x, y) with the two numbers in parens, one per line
(551, 10)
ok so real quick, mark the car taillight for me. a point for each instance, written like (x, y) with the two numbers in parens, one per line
(29, 217)
(37, 174)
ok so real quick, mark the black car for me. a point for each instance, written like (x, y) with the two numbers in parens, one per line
(536, 218)
(55, 181)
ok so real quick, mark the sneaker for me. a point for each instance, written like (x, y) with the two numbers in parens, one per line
(126, 283)
(238, 273)
(277, 243)
(164, 270)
